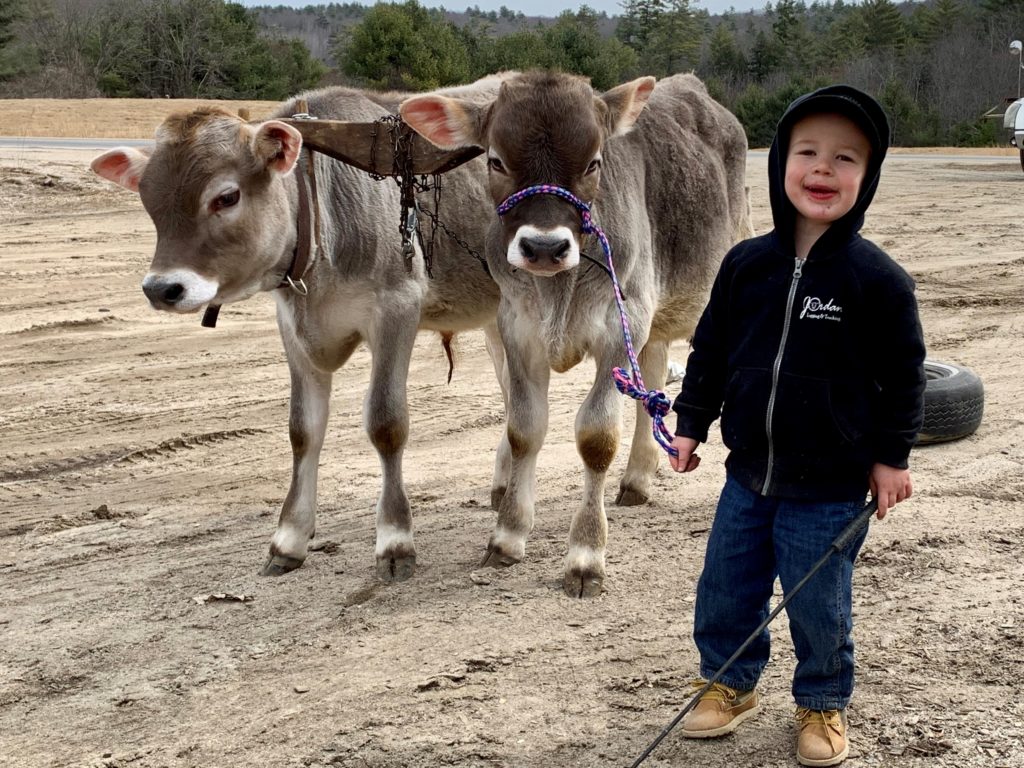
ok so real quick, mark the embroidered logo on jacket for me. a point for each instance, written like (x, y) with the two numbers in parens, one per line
(816, 309)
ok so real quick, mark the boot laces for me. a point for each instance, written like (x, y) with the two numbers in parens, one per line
(717, 691)
(831, 721)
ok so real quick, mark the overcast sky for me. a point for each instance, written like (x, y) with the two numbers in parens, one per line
(543, 7)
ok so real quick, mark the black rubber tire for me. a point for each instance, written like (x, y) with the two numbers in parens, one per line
(954, 401)
(1022, 159)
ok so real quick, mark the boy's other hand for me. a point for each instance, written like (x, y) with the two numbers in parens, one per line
(687, 461)
(889, 486)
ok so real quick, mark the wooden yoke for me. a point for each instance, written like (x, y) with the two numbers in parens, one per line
(371, 146)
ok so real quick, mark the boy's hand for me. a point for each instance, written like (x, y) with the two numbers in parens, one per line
(687, 460)
(889, 486)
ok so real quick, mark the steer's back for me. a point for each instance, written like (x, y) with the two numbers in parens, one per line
(686, 159)
(707, 142)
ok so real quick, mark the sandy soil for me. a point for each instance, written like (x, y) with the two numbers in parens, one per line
(143, 461)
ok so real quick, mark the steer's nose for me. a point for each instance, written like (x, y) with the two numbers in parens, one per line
(553, 248)
(163, 293)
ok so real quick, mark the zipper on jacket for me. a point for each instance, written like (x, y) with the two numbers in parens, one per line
(776, 368)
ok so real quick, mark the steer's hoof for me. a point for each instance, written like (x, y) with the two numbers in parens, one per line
(279, 565)
(630, 497)
(583, 584)
(391, 569)
(496, 558)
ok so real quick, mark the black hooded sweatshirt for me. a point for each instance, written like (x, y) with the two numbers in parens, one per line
(815, 366)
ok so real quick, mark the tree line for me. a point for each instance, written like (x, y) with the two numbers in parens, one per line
(936, 65)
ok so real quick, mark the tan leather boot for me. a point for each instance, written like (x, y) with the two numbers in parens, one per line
(719, 711)
(822, 737)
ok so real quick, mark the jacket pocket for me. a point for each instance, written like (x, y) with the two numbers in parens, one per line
(745, 409)
(814, 418)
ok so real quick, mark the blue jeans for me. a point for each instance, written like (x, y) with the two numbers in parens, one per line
(754, 539)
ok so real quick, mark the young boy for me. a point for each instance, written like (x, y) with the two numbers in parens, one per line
(811, 350)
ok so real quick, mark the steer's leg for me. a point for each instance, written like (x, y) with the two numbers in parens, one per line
(598, 431)
(503, 460)
(528, 376)
(635, 486)
(307, 422)
(386, 415)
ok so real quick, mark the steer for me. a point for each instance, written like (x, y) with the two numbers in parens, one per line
(224, 196)
(667, 185)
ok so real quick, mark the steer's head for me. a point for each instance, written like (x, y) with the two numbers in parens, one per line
(214, 187)
(543, 128)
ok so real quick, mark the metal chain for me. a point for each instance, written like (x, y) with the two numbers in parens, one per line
(436, 223)
(373, 152)
(410, 186)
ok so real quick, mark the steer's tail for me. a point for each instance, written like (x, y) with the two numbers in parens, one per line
(446, 343)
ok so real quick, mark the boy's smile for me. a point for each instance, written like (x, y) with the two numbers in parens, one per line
(820, 193)
(827, 159)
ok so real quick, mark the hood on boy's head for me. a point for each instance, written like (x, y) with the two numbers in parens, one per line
(867, 114)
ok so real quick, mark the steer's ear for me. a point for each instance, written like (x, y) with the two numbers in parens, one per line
(278, 145)
(625, 103)
(447, 123)
(122, 165)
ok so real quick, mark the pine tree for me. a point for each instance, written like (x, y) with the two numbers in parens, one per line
(792, 35)
(576, 44)
(765, 56)
(664, 34)
(884, 25)
(9, 57)
(845, 40)
(406, 47)
(9, 10)
(938, 20)
(725, 57)
(674, 41)
(638, 21)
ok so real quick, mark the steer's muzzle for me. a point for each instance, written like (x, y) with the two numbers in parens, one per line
(179, 291)
(543, 252)
(546, 249)
(163, 294)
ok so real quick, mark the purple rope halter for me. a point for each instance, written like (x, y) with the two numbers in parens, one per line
(655, 401)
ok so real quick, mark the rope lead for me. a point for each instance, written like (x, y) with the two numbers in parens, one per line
(655, 402)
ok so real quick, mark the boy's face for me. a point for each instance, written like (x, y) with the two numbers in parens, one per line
(826, 163)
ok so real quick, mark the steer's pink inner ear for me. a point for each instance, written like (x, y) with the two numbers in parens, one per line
(442, 121)
(278, 145)
(122, 165)
(626, 102)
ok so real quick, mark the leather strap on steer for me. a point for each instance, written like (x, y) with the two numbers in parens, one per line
(302, 255)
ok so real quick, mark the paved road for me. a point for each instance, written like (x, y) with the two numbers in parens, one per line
(35, 142)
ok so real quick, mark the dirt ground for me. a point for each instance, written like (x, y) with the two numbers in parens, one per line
(143, 461)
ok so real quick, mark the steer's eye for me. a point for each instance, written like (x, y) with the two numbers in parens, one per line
(227, 200)
(495, 165)
(594, 166)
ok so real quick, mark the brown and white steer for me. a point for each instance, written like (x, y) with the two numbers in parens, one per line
(667, 186)
(224, 198)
